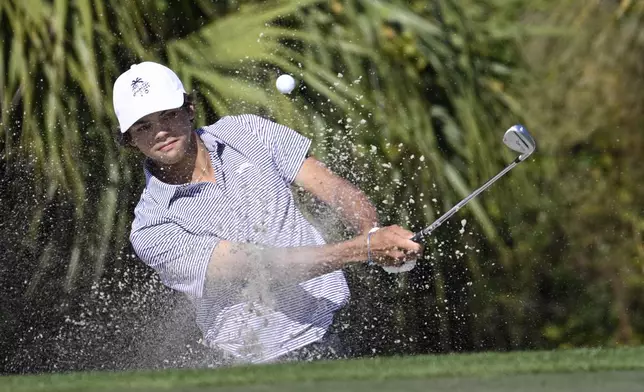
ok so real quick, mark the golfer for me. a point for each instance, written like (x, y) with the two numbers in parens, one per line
(217, 221)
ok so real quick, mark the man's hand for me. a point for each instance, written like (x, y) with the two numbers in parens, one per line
(392, 246)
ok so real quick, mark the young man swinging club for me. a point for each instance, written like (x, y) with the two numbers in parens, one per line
(218, 222)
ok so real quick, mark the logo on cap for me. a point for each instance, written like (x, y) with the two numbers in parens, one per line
(140, 87)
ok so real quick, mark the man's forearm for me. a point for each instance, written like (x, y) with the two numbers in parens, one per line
(236, 260)
(355, 207)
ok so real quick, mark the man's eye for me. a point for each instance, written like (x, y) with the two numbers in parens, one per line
(143, 128)
(170, 115)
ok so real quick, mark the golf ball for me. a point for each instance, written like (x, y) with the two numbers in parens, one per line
(285, 84)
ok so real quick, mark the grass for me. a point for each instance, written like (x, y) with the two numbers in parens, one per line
(565, 370)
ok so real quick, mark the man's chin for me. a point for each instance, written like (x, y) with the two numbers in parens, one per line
(169, 159)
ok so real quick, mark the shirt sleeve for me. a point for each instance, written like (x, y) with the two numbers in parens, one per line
(287, 147)
(179, 257)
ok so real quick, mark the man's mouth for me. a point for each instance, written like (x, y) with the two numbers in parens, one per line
(167, 146)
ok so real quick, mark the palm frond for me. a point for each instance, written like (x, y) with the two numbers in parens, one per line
(400, 103)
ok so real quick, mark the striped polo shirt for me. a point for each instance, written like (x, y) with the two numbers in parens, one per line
(176, 227)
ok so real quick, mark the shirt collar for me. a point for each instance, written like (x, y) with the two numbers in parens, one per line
(162, 192)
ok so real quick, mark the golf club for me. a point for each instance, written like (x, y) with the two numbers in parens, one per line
(518, 139)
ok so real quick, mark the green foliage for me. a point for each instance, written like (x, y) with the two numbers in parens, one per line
(589, 106)
(406, 99)
(64, 130)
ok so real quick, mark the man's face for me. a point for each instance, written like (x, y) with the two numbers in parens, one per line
(163, 136)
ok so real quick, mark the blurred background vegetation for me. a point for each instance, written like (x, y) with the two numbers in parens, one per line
(407, 99)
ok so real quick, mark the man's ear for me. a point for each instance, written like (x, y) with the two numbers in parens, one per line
(129, 141)
(191, 111)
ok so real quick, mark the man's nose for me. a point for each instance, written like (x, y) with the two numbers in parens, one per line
(162, 131)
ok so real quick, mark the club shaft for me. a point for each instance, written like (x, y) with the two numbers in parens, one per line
(426, 231)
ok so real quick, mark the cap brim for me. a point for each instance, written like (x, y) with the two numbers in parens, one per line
(172, 102)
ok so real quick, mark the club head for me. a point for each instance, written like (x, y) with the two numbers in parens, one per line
(519, 139)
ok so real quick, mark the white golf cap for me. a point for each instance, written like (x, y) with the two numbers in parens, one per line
(143, 89)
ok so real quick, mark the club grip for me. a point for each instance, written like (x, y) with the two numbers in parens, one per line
(418, 237)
